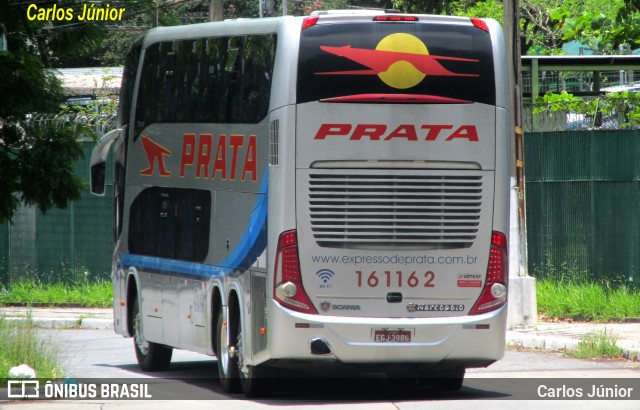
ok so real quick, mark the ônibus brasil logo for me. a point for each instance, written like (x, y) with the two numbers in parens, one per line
(400, 60)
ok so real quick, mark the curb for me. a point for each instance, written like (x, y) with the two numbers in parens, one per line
(96, 324)
(68, 323)
(554, 343)
(630, 350)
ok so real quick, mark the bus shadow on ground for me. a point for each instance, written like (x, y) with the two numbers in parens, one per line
(198, 380)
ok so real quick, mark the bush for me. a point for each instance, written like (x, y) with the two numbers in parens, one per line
(567, 293)
(20, 344)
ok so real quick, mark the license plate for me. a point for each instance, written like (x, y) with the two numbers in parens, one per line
(392, 336)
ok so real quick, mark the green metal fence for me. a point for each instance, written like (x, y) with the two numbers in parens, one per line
(67, 244)
(583, 202)
(4, 254)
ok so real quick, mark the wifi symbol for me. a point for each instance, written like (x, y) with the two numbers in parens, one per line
(325, 275)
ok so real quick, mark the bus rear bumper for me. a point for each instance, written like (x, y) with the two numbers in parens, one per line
(465, 341)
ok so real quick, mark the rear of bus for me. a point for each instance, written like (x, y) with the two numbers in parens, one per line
(399, 252)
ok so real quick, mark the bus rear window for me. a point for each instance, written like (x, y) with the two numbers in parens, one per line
(396, 62)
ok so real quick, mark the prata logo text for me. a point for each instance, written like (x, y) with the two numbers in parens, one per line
(402, 132)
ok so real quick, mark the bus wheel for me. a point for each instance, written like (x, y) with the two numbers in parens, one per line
(227, 365)
(152, 357)
(256, 381)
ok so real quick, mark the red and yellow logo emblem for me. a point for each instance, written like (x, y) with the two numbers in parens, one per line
(400, 60)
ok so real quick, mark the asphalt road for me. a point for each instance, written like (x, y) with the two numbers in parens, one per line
(101, 354)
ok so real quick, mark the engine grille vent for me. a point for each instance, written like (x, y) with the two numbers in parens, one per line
(395, 211)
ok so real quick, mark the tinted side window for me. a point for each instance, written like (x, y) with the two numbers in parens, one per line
(440, 60)
(124, 116)
(218, 80)
(171, 223)
(128, 82)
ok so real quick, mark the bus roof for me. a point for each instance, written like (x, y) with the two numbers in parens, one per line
(367, 15)
(270, 24)
(220, 28)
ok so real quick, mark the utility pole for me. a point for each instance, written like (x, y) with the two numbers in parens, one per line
(522, 287)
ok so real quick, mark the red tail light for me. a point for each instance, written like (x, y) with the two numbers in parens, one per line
(395, 19)
(481, 24)
(309, 21)
(287, 287)
(494, 294)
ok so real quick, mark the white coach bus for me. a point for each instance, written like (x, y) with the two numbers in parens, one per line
(324, 193)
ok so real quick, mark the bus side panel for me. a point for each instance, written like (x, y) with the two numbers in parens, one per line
(119, 301)
(196, 201)
(151, 306)
(281, 206)
(504, 143)
(504, 96)
(170, 321)
(238, 217)
(186, 296)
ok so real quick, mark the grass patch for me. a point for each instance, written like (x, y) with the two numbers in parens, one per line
(597, 344)
(98, 293)
(570, 294)
(20, 344)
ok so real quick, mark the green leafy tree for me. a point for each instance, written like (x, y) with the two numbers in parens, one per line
(546, 25)
(603, 30)
(623, 107)
(73, 43)
(423, 6)
(470, 8)
(541, 34)
(36, 162)
(111, 48)
(57, 42)
(549, 24)
(374, 4)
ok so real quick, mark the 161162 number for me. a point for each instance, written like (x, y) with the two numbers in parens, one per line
(395, 279)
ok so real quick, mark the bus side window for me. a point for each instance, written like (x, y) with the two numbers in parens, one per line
(233, 77)
(171, 223)
(192, 234)
(198, 67)
(166, 221)
(128, 82)
(217, 49)
(257, 78)
(215, 80)
(124, 116)
(168, 83)
(147, 103)
(143, 226)
(185, 79)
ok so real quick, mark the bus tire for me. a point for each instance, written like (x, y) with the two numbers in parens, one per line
(152, 357)
(227, 365)
(256, 381)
